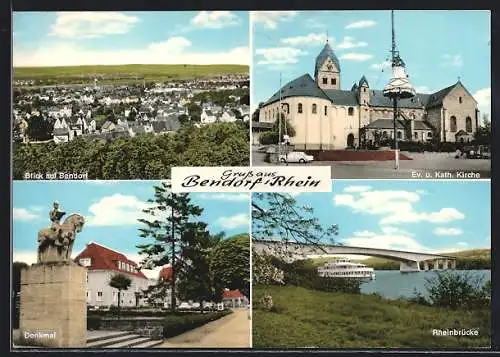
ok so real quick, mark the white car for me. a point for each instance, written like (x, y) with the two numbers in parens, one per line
(184, 306)
(296, 156)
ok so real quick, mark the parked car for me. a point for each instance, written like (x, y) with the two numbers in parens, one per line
(184, 306)
(477, 152)
(296, 156)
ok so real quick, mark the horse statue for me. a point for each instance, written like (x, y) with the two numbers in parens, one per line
(56, 245)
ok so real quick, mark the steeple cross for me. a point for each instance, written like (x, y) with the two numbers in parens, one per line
(326, 36)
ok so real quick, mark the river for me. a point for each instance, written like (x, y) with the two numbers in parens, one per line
(393, 284)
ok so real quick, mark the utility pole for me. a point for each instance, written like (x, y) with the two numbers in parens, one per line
(172, 293)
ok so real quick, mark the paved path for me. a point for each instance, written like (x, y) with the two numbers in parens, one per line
(232, 331)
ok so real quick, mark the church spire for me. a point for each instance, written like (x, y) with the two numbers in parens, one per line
(326, 36)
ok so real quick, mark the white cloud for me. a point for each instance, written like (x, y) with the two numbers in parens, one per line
(423, 89)
(314, 23)
(483, 98)
(84, 24)
(382, 65)
(394, 206)
(453, 60)
(357, 188)
(462, 244)
(239, 220)
(311, 39)
(27, 257)
(225, 196)
(174, 50)
(441, 231)
(350, 42)
(270, 19)
(351, 56)
(24, 214)
(117, 210)
(215, 19)
(385, 240)
(279, 55)
(361, 24)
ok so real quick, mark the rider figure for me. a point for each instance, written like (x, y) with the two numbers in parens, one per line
(55, 216)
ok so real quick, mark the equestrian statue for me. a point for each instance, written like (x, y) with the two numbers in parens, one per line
(55, 244)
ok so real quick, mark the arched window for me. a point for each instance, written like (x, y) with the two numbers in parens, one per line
(453, 124)
(350, 111)
(326, 110)
(399, 135)
(299, 108)
(415, 135)
(364, 89)
(460, 100)
(468, 125)
(314, 108)
(325, 80)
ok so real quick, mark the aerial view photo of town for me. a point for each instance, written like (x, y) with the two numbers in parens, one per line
(335, 88)
(129, 264)
(373, 264)
(118, 95)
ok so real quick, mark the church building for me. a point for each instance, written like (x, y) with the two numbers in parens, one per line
(327, 117)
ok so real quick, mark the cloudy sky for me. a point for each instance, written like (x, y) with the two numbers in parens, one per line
(111, 209)
(101, 38)
(419, 216)
(437, 46)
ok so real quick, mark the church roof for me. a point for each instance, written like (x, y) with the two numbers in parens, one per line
(325, 53)
(362, 81)
(303, 86)
(342, 97)
(377, 99)
(436, 99)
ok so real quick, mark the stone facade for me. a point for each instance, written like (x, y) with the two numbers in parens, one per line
(53, 312)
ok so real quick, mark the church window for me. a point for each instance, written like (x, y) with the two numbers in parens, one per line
(415, 135)
(364, 89)
(399, 135)
(299, 108)
(314, 108)
(453, 124)
(460, 100)
(468, 124)
(334, 81)
(326, 110)
(350, 111)
(325, 80)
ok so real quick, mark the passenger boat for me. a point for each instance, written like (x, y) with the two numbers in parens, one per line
(345, 268)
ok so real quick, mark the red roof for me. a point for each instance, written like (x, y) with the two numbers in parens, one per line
(166, 273)
(232, 294)
(103, 258)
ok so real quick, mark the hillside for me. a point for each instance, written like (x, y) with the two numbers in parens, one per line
(126, 72)
(307, 318)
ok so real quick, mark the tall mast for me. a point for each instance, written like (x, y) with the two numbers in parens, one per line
(279, 126)
(393, 38)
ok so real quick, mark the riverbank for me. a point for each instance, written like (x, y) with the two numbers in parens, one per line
(308, 318)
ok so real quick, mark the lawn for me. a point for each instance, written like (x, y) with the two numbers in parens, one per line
(133, 71)
(307, 318)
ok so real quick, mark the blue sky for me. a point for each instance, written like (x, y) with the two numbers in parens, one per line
(437, 47)
(79, 38)
(420, 216)
(111, 209)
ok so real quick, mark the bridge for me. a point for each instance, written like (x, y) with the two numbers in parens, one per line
(408, 261)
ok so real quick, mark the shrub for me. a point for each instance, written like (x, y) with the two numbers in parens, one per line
(175, 324)
(268, 138)
(458, 290)
(93, 322)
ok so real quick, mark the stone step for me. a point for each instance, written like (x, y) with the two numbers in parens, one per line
(148, 344)
(105, 335)
(113, 340)
(129, 343)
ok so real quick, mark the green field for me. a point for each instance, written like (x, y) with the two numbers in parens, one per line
(466, 259)
(307, 318)
(124, 72)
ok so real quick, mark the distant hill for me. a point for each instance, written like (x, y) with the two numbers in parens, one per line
(131, 71)
(466, 259)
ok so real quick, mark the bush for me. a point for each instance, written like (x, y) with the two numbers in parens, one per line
(93, 322)
(176, 324)
(268, 138)
(458, 291)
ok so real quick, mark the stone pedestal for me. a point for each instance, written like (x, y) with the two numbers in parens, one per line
(53, 309)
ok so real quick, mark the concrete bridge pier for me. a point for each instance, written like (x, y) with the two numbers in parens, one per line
(436, 264)
(453, 264)
(445, 264)
(426, 265)
(409, 266)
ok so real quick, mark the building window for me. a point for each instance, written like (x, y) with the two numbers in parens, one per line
(364, 89)
(384, 134)
(468, 124)
(415, 135)
(453, 124)
(326, 110)
(334, 81)
(87, 277)
(299, 108)
(314, 108)
(350, 111)
(399, 135)
(325, 80)
(429, 134)
(86, 262)
(99, 296)
(460, 100)
(115, 296)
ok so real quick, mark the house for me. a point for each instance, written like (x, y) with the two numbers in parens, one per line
(102, 263)
(108, 126)
(234, 299)
(228, 117)
(207, 117)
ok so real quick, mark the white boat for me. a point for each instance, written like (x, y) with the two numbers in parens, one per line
(345, 268)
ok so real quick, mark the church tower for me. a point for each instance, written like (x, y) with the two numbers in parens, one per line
(364, 101)
(327, 69)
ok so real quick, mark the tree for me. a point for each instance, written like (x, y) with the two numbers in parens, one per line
(194, 110)
(483, 133)
(286, 127)
(237, 113)
(39, 129)
(183, 119)
(120, 282)
(230, 264)
(169, 227)
(255, 115)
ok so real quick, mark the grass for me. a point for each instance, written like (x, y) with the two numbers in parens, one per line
(127, 72)
(308, 318)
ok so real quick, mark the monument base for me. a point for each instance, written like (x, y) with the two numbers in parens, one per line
(53, 309)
